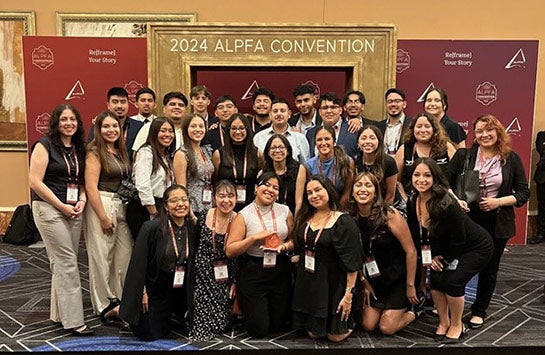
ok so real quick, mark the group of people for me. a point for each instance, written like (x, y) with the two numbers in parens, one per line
(309, 221)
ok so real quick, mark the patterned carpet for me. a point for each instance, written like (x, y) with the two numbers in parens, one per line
(516, 316)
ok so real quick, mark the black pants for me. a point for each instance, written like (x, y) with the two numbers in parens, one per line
(487, 277)
(540, 209)
(137, 214)
(265, 295)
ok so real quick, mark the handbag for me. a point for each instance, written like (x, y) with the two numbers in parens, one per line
(127, 191)
(467, 184)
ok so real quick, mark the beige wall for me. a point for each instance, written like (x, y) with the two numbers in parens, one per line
(417, 19)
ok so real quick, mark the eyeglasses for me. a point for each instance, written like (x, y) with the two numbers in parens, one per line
(279, 148)
(237, 129)
(330, 107)
(394, 101)
(175, 200)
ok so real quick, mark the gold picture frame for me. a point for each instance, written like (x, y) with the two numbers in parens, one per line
(113, 25)
(13, 26)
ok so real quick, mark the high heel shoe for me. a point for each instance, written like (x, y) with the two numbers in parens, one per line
(449, 340)
(438, 337)
(83, 331)
(114, 302)
(474, 322)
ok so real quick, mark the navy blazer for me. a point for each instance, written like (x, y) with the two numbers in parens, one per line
(346, 139)
(514, 182)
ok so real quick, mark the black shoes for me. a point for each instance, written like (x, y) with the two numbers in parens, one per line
(83, 331)
(438, 337)
(447, 340)
(104, 316)
(418, 308)
(537, 239)
(474, 324)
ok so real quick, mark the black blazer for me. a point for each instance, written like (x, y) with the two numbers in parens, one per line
(144, 267)
(539, 176)
(514, 183)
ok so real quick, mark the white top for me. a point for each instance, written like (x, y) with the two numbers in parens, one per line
(141, 118)
(150, 185)
(254, 226)
(298, 142)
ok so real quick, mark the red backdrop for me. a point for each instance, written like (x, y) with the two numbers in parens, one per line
(78, 71)
(480, 77)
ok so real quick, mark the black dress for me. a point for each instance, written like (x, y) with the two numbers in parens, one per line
(212, 304)
(390, 287)
(317, 295)
(226, 172)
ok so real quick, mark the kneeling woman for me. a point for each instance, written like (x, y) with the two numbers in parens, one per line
(330, 257)
(158, 282)
(387, 244)
(460, 248)
(259, 235)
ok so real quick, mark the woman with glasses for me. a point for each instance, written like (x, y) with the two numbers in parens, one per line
(259, 237)
(152, 173)
(238, 160)
(160, 277)
(503, 186)
(292, 175)
(215, 287)
(192, 163)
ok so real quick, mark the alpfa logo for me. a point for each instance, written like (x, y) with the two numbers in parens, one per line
(248, 94)
(518, 60)
(514, 127)
(76, 92)
(486, 93)
(423, 96)
(403, 61)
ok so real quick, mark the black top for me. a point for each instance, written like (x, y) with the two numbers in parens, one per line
(288, 182)
(454, 131)
(214, 136)
(56, 176)
(226, 172)
(338, 252)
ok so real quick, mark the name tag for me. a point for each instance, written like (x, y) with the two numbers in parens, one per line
(179, 276)
(72, 194)
(372, 267)
(269, 260)
(221, 273)
(310, 261)
(207, 194)
(241, 194)
(426, 255)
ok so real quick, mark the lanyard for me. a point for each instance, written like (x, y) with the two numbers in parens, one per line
(319, 232)
(68, 165)
(243, 167)
(334, 176)
(484, 174)
(178, 262)
(214, 229)
(370, 244)
(119, 165)
(420, 220)
(206, 166)
(273, 216)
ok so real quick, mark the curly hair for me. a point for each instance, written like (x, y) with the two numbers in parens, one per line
(503, 144)
(78, 139)
(438, 140)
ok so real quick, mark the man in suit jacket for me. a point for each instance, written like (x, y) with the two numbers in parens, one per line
(330, 110)
(394, 127)
(539, 178)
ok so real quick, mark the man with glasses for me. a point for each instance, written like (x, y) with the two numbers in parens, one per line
(225, 108)
(394, 127)
(280, 114)
(330, 110)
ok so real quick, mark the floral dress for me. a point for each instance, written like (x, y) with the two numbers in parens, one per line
(212, 303)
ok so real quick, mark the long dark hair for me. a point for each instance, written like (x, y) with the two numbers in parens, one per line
(78, 139)
(378, 165)
(192, 169)
(153, 143)
(378, 219)
(438, 140)
(291, 164)
(341, 158)
(440, 197)
(98, 145)
(251, 150)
